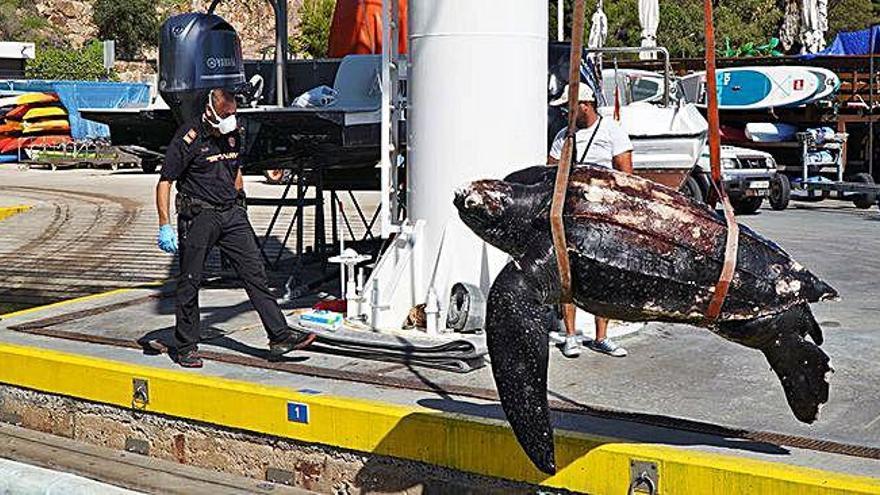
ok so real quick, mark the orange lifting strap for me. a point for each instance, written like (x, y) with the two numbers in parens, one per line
(557, 228)
(732, 245)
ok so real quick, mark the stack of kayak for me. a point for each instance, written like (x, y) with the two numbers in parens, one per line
(31, 120)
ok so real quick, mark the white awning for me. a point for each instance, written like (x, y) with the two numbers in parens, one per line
(814, 24)
(598, 28)
(16, 50)
(649, 18)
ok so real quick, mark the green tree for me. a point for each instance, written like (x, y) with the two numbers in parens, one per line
(82, 64)
(134, 24)
(313, 29)
(850, 15)
(681, 23)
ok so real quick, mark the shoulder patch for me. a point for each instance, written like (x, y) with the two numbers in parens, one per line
(190, 136)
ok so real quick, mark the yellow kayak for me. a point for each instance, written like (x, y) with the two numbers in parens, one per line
(44, 112)
(29, 99)
(57, 125)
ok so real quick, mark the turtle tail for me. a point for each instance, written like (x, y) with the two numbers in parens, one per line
(802, 367)
(517, 327)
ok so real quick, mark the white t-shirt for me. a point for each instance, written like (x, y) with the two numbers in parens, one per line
(609, 142)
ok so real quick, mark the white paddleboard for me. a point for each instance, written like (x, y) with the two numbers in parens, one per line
(829, 83)
(754, 88)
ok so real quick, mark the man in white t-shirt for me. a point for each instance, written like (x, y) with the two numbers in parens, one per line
(598, 141)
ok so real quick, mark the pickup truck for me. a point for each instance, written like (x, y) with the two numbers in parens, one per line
(747, 174)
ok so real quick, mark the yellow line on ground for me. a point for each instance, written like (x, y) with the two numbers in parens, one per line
(8, 211)
(473, 444)
(80, 299)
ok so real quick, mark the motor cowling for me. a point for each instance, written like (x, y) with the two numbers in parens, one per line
(197, 52)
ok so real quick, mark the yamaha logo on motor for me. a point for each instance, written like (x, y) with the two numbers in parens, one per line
(215, 63)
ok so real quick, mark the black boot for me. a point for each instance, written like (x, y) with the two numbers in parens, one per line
(293, 340)
(188, 359)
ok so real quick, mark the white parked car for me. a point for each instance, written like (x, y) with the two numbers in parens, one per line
(748, 177)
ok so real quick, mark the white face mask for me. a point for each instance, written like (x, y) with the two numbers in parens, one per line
(224, 126)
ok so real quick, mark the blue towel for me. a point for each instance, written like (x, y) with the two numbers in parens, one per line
(821, 134)
(817, 157)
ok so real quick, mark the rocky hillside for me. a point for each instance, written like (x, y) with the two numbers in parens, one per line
(253, 19)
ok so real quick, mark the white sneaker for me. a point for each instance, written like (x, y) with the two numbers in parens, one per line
(571, 348)
(607, 346)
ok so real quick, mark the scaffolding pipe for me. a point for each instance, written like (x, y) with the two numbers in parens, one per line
(280, 9)
(390, 121)
(871, 80)
(560, 20)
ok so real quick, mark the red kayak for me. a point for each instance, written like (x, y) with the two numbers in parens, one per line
(10, 145)
(17, 113)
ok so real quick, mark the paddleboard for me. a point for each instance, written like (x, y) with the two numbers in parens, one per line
(829, 83)
(770, 132)
(44, 112)
(753, 88)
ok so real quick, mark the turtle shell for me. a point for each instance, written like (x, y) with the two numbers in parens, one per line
(642, 251)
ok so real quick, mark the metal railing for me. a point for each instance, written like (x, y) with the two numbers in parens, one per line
(667, 68)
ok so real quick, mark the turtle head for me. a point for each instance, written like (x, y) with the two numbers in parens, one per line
(500, 212)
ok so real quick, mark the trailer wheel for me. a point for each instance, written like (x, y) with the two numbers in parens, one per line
(780, 192)
(864, 200)
(691, 189)
(747, 206)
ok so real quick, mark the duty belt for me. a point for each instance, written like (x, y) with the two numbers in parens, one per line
(184, 202)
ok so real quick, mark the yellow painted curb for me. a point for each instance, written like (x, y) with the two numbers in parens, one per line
(8, 211)
(473, 444)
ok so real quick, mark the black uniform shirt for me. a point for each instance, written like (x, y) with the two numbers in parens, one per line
(203, 164)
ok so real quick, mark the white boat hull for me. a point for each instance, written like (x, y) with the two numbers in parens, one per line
(664, 139)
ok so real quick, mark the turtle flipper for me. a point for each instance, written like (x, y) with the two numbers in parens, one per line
(802, 367)
(517, 328)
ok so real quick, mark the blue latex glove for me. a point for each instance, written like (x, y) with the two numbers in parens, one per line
(167, 239)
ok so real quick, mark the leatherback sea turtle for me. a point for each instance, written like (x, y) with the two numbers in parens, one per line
(639, 251)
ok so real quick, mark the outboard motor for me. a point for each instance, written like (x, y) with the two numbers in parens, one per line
(197, 52)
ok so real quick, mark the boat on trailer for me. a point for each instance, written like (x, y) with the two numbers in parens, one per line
(668, 133)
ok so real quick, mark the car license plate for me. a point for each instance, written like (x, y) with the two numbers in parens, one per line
(760, 184)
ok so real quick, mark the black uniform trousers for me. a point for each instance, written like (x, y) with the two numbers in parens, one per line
(229, 229)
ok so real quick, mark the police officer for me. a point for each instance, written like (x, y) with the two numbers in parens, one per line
(203, 159)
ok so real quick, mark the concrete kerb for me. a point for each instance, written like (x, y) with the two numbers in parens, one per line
(451, 441)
